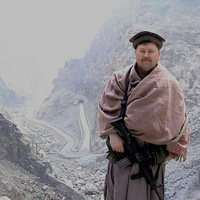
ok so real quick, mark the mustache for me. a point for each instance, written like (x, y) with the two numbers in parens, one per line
(146, 59)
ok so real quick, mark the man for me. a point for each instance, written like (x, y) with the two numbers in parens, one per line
(155, 114)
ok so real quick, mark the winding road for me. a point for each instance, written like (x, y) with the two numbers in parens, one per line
(85, 129)
(69, 148)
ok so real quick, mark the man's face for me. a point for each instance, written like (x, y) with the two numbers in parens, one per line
(147, 56)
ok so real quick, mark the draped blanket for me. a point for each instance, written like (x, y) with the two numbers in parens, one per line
(155, 112)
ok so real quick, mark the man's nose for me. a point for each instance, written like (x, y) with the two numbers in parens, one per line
(146, 54)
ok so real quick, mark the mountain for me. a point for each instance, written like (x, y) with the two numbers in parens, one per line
(29, 171)
(9, 97)
(25, 76)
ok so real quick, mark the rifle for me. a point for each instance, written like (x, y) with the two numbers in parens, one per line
(136, 154)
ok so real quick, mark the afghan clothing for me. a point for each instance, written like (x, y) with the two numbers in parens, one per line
(119, 186)
(155, 114)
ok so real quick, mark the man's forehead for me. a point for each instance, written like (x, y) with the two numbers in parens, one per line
(149, 46)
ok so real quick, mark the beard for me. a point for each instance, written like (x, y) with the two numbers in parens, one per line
(146, 64)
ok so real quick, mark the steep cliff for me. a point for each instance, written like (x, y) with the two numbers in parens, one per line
(11, 145)
(84, 79)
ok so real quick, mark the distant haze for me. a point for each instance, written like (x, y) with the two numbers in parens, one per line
(48, 32)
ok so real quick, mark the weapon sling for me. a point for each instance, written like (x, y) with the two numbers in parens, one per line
(135, 154)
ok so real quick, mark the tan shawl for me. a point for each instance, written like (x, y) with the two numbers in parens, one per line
(155, 109)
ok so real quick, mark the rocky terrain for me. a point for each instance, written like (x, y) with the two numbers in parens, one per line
(23, 173)
(82, 81)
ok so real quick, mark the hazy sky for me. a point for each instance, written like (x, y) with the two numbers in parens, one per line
(50, 32)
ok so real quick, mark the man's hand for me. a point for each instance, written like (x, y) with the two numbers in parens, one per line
(116, 142)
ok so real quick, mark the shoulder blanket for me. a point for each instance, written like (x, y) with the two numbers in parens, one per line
(156, 110)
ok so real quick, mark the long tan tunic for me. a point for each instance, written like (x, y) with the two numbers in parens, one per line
(119, 185)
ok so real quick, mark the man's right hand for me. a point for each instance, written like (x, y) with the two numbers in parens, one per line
(116, 142)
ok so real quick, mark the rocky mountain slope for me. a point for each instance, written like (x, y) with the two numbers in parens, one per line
(22, 175)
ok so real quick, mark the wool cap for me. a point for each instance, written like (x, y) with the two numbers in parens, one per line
(146, 36)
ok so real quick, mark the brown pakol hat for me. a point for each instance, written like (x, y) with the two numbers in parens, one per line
(146, 36)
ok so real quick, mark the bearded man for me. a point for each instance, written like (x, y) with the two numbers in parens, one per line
(155, 116)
